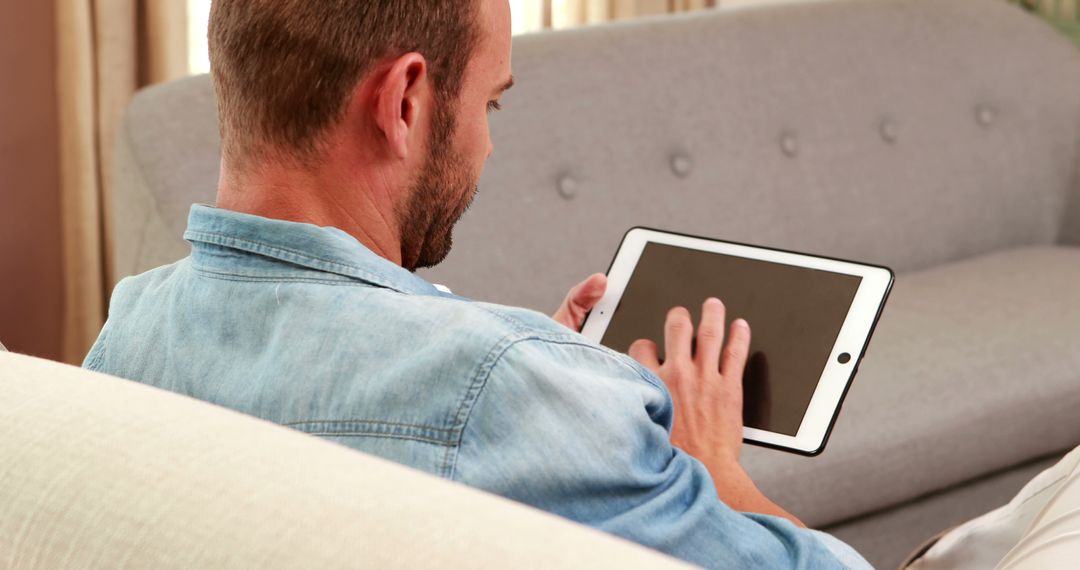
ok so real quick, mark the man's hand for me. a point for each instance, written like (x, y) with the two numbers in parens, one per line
(580, 300)
(707, 390)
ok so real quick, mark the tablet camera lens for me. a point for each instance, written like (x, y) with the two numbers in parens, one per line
(844, 358)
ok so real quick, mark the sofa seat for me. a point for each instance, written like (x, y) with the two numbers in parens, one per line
(948, 383)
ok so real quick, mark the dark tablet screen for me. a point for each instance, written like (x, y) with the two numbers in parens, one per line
(795, 315)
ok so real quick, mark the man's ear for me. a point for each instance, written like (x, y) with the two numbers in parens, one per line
(401, 101)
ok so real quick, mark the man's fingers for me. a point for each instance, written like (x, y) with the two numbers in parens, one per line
(678, 332)
(710, 335)
(737, 351)
(585, 296)
(580, 300)
(644, 351)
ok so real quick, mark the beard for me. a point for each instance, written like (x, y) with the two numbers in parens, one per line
(443, 191)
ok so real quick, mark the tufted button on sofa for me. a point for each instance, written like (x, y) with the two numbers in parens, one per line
(938, 137)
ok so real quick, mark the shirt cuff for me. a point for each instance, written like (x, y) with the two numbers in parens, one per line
(844, 553)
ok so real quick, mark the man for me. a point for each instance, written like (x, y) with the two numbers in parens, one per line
(353, 134)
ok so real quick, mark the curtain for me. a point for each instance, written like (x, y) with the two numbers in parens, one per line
(106, 50)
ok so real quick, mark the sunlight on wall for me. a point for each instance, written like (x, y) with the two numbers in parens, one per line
(198, 56)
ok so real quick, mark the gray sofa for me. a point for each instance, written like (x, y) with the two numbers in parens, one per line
(939, 137)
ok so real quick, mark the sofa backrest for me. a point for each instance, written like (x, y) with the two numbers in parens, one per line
(900, 132)
(98, 472)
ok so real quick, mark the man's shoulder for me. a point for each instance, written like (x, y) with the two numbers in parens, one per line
(348, 321)
(541, 352)
(533, 335)
(346, 304)
(134, 293)
(524, 322)
(148, 280)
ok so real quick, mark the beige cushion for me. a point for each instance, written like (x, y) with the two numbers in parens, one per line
(1038, 528)
(97, 472)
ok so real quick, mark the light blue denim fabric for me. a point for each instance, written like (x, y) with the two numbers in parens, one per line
(305, 327)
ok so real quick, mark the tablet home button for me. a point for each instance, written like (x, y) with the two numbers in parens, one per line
(844, 358)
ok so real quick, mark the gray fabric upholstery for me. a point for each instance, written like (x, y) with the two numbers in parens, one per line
(940, 137)
(167, 158)
(885, 537)
(609, 108)
(974, 368)
(1070, 225)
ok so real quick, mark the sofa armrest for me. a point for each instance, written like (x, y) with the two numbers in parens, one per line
(121, 474)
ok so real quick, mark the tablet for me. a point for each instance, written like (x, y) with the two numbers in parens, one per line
(810, 318)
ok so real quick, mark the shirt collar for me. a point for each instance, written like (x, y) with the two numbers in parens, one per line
(307, 245)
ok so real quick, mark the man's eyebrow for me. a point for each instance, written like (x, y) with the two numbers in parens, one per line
(506, 86)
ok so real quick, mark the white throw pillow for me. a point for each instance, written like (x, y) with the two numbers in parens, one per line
(1039, 528)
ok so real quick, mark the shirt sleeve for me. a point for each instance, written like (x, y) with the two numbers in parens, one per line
(847, 555)
(579, 431)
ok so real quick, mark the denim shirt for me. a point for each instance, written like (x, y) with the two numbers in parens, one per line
(304, 326)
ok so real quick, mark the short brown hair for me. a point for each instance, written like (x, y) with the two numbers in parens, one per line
(283, 69)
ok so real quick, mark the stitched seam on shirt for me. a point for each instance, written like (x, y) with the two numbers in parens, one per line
(442, 436)
(375, 427)
(523, 327)
(274, 276)
(249, 279)
(224, 240)
(395, 424)
(573, 340)
(515, 323)
(461, 418)
(284, 253)
(484, 373)
(379, 435)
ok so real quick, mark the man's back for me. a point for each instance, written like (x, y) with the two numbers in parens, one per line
(303, 326)
(371, 356)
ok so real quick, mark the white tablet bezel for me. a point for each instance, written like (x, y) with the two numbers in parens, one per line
(853, 337)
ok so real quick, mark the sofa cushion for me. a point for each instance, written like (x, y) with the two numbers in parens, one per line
(98, 472)
(974, 368)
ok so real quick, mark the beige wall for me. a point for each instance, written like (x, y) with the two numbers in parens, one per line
(30, 286)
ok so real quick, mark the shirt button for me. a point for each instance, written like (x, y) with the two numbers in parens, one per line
(985, 115)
